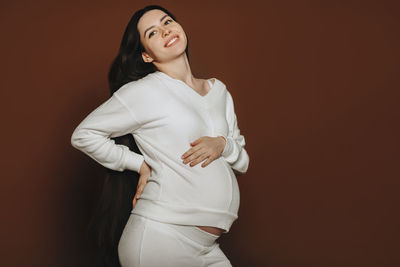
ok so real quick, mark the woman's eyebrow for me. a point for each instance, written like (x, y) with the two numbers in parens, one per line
(153, 25)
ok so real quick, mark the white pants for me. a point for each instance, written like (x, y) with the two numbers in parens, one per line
(149, 243)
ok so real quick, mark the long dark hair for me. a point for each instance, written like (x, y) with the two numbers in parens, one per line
(118, 188)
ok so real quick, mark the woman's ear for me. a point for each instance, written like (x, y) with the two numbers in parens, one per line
(146, 57)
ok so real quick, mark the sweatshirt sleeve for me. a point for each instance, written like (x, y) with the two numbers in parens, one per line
(92, 136)
(234, 152)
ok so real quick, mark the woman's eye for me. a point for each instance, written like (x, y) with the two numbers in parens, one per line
(151, 33)
(165, 23)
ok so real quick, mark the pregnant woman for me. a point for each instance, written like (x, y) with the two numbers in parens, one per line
(191, 147)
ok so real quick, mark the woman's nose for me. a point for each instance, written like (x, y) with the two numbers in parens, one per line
(166, 32)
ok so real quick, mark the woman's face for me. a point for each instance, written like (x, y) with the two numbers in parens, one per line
(163, 38)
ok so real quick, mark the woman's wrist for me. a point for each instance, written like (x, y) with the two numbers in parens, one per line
(144, 168)
(223, 142)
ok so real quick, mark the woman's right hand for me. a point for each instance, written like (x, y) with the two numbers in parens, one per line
(144, 174)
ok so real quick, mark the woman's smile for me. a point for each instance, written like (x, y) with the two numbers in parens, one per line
(171, 41)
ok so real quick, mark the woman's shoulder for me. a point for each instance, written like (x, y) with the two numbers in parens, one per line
(219, 85)
(216, 82)
(145, 86)
(225, 92)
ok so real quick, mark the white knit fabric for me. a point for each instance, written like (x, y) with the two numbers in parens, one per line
(165, 115)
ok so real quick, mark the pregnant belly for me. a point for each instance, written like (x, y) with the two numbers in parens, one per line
(213, 186)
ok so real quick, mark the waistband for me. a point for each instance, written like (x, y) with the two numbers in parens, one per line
(196, 234)
(191, 231)
(183, 215)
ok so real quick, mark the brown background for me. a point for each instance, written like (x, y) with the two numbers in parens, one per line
(316, 91)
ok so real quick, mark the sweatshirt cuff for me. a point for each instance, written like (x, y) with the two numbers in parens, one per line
(228, 146)
(133, 161)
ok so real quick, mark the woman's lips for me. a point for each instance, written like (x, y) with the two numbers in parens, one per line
(174, 39)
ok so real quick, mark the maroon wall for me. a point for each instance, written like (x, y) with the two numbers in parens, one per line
(316, 91)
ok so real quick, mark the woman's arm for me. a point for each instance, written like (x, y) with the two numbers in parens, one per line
(92, 136)
(234, 152)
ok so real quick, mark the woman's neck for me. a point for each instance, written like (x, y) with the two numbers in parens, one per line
(178, 68)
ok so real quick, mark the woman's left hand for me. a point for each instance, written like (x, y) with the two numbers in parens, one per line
(205, 147)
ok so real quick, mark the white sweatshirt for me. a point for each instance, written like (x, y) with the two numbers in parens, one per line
(165, 115)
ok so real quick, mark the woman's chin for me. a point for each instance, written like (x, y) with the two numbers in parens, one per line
(174, 53)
